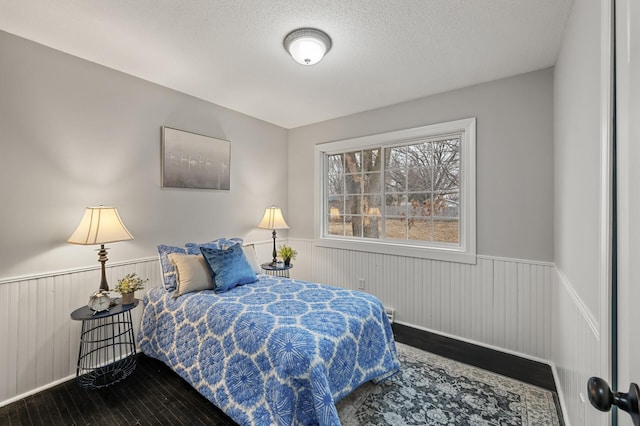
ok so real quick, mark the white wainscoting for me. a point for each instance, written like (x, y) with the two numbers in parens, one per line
(503, 303)
(40, 341)
(576, 353)
(517, 305)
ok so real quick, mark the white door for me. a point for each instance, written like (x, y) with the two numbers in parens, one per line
(628, 176)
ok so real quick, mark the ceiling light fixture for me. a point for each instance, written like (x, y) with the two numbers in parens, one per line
(307, 46)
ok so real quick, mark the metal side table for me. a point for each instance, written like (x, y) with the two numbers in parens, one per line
(278, 270)
(107, 345)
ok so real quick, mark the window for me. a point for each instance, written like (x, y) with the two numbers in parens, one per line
(409, 192)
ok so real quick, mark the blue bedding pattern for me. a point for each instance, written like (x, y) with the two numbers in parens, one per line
(277, 351)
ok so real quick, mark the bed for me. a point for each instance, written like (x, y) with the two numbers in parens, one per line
(276, 351)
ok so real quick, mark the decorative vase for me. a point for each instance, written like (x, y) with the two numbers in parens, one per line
(287, 262)
(128, 298)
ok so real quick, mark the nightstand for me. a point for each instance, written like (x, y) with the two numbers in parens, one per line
(107, 345)
(277, 270)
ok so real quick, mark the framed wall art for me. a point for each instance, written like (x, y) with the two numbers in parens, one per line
(190, 160)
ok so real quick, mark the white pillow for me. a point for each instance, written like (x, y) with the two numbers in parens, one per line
(250, 253)
(192, 273)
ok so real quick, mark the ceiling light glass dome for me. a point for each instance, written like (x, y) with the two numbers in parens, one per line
(307, 46)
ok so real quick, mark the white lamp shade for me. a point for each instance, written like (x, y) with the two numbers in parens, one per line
(307, 46)
(273, 219)
(100, 225)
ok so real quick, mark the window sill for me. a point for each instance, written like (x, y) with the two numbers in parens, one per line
(444, 254)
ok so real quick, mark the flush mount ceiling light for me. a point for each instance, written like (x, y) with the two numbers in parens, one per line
(307, 46)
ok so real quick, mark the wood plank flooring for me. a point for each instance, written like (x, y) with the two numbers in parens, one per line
(154, 395)
(525, 370)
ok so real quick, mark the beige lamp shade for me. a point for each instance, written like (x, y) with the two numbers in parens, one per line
(100, 225)
(273, 219)
(373, 211)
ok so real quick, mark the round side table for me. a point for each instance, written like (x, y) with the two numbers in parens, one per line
(107, 345)
(277, 270)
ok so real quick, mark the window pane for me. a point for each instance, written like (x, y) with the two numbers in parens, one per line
(335, 163)
(447, 205)
(396, 228)
(396, 158)
(419, 229)
(353, 184)
(419, 155)
(335, 206)
(446, 231)
(446, 178)
(419, 205)
(353, 204)
(396, 204)
(372, 183)
(447, 152)
(353, 226)
(372, 204)
(372, 227)
(371, 160)
(335, 225)
(395, 181)
(335, 174)
(419, 179)
(335, 184)
(353, 162)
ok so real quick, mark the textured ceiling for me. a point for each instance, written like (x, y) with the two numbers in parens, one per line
(230, 52)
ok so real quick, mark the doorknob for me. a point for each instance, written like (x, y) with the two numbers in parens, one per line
(602, 398)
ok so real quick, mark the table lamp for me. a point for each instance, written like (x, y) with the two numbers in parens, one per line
(100, 225)
(273, 219)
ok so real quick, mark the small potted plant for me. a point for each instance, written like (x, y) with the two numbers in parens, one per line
(127, 287)
(287, 254)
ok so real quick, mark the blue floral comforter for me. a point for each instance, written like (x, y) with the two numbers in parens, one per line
(276, 351)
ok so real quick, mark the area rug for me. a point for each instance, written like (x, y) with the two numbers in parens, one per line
(432, 390)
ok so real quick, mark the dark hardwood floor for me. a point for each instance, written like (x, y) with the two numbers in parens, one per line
(525, 370)
(154, 395)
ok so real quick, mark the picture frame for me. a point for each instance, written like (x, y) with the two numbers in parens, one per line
(191, 160)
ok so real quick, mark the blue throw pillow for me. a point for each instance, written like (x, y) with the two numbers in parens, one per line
(168, 269)
(229, 266)
(222, 243)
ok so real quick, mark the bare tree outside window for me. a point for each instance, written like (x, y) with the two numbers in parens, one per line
(406, 192)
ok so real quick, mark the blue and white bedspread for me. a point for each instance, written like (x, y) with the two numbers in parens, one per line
(277, 351)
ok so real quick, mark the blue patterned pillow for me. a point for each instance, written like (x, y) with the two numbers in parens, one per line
(229, 266)
(169, 276)
(219, 244)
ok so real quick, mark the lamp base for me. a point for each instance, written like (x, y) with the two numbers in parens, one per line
(102, 258)
(274, 262)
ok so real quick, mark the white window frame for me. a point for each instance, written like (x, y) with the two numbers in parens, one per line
(465, 251)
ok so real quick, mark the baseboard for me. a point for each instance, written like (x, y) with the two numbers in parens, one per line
(477, 343)
(533, 371)
(36, 390)
(563, 405)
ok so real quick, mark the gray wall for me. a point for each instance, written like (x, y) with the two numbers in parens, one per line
(76, 134)
(581, 338)
(577, 153)
(514, 159)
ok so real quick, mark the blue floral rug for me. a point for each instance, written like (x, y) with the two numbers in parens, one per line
(432, 390)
